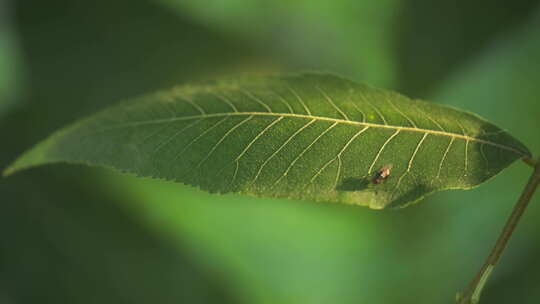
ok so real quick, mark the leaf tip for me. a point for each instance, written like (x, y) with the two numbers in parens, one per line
(11, 169)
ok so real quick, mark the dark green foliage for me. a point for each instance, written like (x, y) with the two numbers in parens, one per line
(312, 137)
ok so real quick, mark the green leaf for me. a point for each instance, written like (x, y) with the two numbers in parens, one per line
(354, 38)
(313, 137)
(10, 63)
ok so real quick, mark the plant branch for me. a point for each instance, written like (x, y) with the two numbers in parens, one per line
(472, 294)
(529, 161)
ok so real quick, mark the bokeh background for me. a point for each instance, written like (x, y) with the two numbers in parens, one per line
(72, 234)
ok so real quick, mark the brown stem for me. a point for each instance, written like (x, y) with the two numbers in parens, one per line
(529, 161)
(472, 294)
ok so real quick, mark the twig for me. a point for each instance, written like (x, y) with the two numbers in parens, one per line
(472, 294)
(529, 161)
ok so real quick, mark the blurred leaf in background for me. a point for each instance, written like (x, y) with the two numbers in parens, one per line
(62, 242)
(435, 38)
(82, 56)
(270, 251)
(79, 235)
(11, 73)
(351, 37)
(502, 83)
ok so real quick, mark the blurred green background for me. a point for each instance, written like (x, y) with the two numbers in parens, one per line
(72, 234)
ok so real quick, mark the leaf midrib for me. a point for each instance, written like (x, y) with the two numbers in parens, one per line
(321, 118)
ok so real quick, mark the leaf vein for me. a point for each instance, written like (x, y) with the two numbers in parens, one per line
(237, 159)
(257, 100)
(300, 100)
(484, 155)
(401, 113)
(223, 138)
(362, 113)
(200, 135)
(338, 158)
(466, 148)
(409, 165)
(168, 140)
(304, 152)
(431, 119)
(227, 101)
(385, 122)
(342, 151)
(279, 149)
(443, 159)
(284, 101)
(381, 150)
(195, 105)
(320, 118)
(329, 100)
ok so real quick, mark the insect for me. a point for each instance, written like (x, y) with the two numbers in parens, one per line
(382, 174)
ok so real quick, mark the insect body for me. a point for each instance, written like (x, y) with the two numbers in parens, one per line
(382, 174)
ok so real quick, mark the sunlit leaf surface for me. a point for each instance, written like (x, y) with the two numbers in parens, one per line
(312, 137)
